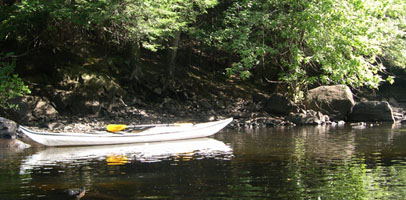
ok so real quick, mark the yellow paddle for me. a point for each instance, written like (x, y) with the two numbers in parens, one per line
(120, 127)
(116, 127)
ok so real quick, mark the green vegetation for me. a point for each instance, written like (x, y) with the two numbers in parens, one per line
(11, 85)
(323, 41)
(295, 43)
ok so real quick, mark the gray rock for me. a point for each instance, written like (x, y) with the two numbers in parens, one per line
(335, 101)
(55, 125)
(392, 101)
(18, 145)
(25, 104)
(8, 128)
(93, 107)
(372, 111)
(308, 117)
(43, 108)
(158, 91)
(359, 125)
(205, 104)
(11, 146)
(268, 121)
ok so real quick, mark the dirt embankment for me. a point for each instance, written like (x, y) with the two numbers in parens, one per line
(85, 99)
(93, 99)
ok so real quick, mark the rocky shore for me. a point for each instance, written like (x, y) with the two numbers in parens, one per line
(329, 105)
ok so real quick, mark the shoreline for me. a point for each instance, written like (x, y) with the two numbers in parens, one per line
(251, 120)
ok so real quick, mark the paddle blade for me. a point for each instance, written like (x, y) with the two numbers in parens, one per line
(116, 127)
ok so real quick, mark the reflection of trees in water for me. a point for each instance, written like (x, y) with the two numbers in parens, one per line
(319, 162)
(346, 164)
(281, 163)
(324, 142)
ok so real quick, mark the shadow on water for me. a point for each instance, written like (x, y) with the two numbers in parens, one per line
(310, 162)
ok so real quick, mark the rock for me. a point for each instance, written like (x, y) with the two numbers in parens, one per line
(67, 128)
(17, 144)
(55, 125)
(372, 111)
(93, 106)
(76, 193)
(308, 117)
(205, 104)
(392, 101)
(336, 101)
(25, 104)
(208, 118)
(398, 116)
(92, 95)
(359, 125)
(279, 104)
(170, 106)
(12, 146)
(8, 128)
(269, 121)
(31, 108)
(44, 109)
(158, 91)
(339, 123)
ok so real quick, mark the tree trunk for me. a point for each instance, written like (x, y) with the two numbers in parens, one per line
(173, 50)
(135, 54)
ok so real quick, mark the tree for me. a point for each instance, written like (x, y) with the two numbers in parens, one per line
(319, 41)
(158, 24)
(131, 25)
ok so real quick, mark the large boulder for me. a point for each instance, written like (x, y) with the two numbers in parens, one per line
(372, 111)
(8, 128)
(336, 101)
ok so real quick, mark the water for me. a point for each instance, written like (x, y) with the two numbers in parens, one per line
(314, 162)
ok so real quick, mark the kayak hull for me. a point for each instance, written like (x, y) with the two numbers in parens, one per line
(154, 134)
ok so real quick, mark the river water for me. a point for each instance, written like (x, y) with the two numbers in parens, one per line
(309, 162)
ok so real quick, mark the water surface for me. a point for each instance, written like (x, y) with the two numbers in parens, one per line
(311, 162)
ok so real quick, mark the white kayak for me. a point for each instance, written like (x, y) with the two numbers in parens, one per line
(156, 133)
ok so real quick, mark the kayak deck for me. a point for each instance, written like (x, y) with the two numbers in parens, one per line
(154, 134)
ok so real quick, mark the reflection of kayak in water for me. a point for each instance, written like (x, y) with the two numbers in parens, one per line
(117, 159)
(149, 133)
(143, 152)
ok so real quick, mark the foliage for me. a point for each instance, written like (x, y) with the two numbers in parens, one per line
(148, 22)
(11, 85)
(79, 28)
(301, 42)
(161, 19)
(323, 41)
